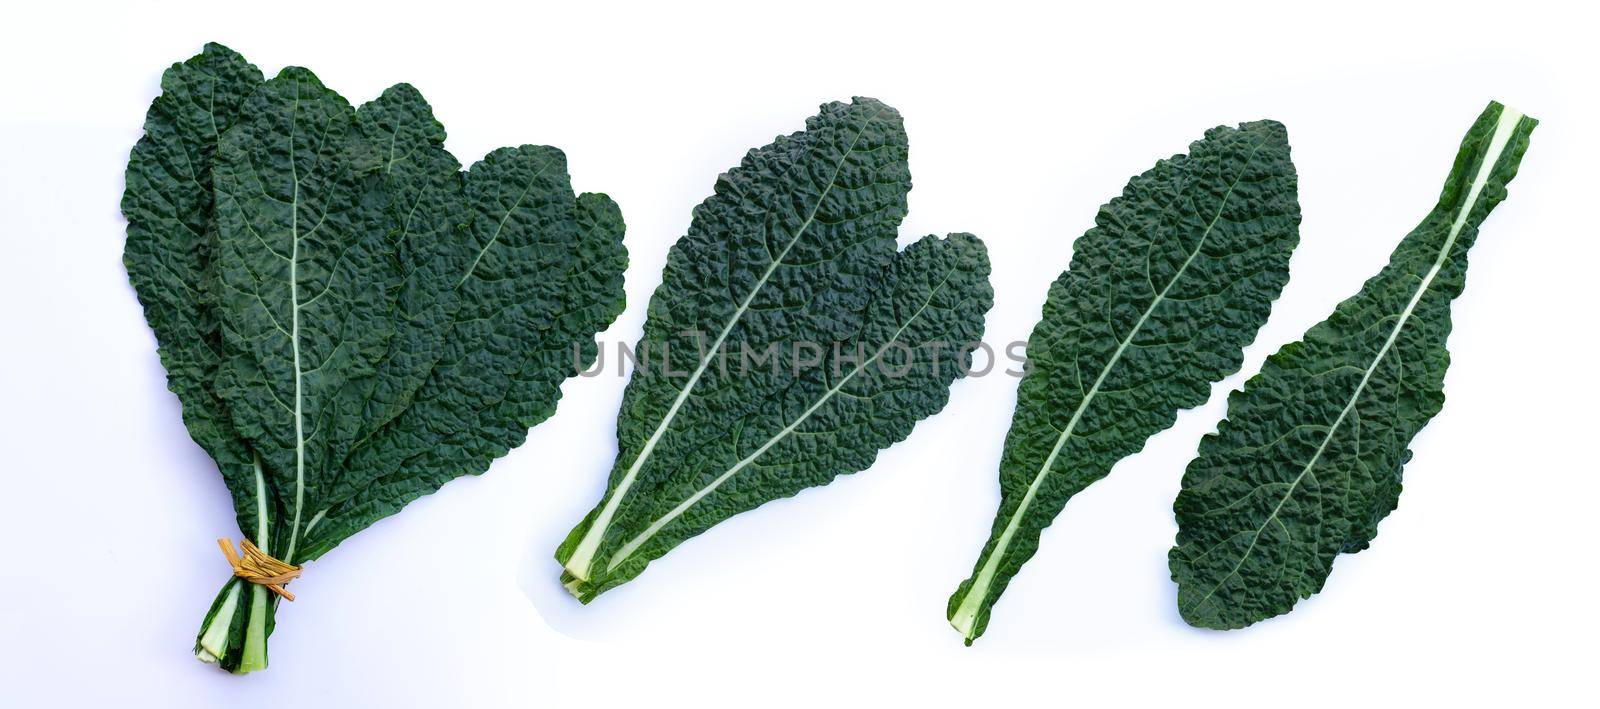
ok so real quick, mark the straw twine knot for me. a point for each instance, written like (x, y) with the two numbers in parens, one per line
(258, 567)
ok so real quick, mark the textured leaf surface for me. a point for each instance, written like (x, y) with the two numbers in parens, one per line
(302, 287)
(352, 321)
(1161, 297)
(1309, 459)
(541, 274)
(423, 202)
(168, 203)
(797, 245)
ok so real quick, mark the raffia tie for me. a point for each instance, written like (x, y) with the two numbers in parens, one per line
(259, 568)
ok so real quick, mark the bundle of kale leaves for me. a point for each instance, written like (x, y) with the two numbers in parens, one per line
(348, 318)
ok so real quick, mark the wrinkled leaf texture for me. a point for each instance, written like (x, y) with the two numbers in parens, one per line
(170, 246)
(1309, 458)
(352, 321)
(1161, 297)
(797, 245)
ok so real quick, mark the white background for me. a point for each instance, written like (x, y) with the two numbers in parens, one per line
(1480, 588)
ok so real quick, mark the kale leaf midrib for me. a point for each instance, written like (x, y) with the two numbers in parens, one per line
(294, 326)
(501, 226)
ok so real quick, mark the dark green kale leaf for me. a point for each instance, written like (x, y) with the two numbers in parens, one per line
(540, 274)
(1309, 459)
(1163, 294)
(356, 321)
(795, 248)
(169, 207)
(303, 287)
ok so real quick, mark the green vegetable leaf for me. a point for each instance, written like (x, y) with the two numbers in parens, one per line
(1309, 459)
(362, 321)
(302, 287)
(400, 139)
(170, 246)
(819, 334)
(540, 274)
(1162, 295)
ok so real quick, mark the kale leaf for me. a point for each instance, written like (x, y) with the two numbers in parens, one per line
(822, 342)
(349, 320)
(1309, 459)
(1162, 295)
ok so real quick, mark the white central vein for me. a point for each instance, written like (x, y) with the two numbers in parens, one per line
(515, 205)
(261, 501)
(966, 615)
(582, 556)
(655, 527)
(294, 332)
(1502, 135)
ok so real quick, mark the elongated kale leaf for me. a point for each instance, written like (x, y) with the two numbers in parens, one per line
(379, 321)
(732, 410)
(170, 246)
(1161, 297)
(303, 288)
(1309, 459)
(423, 204)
